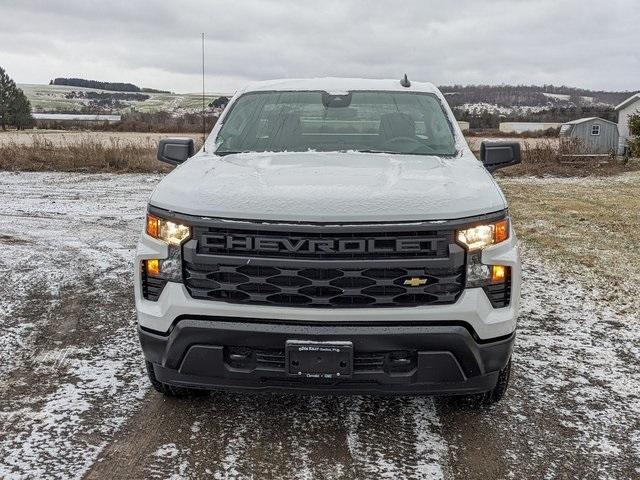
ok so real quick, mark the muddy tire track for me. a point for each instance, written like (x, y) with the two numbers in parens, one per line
(278, 436)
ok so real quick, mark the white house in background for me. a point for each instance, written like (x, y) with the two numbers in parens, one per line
(627, 108)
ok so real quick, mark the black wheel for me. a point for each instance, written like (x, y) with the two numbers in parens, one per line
(494, 395)
(171, 390)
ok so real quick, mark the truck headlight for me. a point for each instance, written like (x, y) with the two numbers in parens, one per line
(170, 232)
(477, 238)
(482, 236)
(174, 234)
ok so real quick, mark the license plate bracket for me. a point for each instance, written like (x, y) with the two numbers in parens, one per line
(320, 360)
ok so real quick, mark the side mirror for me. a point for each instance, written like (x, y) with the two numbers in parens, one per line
(175, 150)
(495, 155)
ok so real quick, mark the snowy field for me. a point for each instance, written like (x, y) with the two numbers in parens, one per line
(51, 98)
(75, 402)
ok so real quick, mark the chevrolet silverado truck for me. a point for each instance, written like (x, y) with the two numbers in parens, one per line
(331, 235)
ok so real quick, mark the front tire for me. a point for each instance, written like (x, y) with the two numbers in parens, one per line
(170, 390)
(494, 395)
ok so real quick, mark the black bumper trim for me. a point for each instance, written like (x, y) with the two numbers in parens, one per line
(448, 359)
(329, 323)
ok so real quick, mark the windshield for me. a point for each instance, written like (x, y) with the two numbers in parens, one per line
(393, 122)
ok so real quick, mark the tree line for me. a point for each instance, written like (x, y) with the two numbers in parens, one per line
(15, 109)
(81, 82)
(488, 119)
(530, 95)
(111, 86)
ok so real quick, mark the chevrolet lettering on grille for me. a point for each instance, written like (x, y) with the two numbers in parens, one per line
(250, 243)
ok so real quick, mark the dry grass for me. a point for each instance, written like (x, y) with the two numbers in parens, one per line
(135, 152)
(64, 137)
(587, 226)
(85, 154)
(545, 158)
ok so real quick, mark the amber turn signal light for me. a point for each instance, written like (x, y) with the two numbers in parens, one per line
(501, 231)
(498, 273)
(152, 267)
(152, 226)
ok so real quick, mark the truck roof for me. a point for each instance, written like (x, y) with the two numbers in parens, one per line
(337, 85)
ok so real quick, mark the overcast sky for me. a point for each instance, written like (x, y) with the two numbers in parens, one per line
(583, 43)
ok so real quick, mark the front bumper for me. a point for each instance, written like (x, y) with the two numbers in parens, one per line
(445, 359)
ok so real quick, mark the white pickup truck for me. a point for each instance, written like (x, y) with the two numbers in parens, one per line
(332, 235)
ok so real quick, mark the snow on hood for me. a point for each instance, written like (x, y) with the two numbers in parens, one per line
(330, 187)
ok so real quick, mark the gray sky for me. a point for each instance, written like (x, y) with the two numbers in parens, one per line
(583, 43)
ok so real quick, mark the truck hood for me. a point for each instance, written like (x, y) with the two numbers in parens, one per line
(330, 187)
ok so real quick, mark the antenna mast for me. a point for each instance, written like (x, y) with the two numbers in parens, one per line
(204, 118)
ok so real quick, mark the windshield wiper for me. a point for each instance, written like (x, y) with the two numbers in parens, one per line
(376, 151)
(228, 152)
(430, 154)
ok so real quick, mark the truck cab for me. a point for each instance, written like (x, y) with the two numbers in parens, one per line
(332, 235)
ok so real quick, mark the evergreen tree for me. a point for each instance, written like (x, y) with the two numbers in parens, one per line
(15, 108)
(5, 90)
(21, 110)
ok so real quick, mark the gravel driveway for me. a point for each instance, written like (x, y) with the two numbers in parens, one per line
(75, 401)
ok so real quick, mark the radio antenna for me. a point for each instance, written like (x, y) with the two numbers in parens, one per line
(204, 118)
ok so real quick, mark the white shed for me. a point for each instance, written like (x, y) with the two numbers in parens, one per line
(627, 108)
(464, 126)
(596, 136)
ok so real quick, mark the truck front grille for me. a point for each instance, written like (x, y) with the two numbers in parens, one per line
(324, 266)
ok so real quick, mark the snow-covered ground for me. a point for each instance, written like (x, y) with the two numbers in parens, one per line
(75, 401)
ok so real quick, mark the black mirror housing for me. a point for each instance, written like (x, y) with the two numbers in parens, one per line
(496, 154)
(175, 150)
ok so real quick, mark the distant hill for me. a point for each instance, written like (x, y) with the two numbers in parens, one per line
(485, 106)
(76, 99)
(545, 96)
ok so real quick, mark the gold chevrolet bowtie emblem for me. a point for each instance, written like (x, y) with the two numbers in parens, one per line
(415, 282)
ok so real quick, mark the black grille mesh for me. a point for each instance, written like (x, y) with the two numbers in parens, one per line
(322, 287)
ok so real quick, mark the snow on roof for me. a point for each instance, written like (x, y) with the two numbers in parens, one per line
(631, 99)
(337, 85)
(588, 119)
